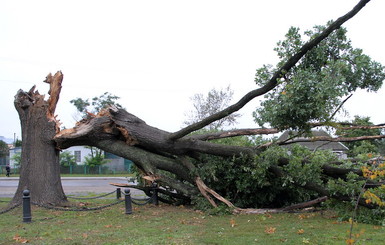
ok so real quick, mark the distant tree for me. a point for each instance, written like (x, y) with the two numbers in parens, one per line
(96, 157)
(16, 158)
(4, 150)
(84, 106)
(215, 101)
(96, 104)
(18, 143)
(363, 146)
(67, 159)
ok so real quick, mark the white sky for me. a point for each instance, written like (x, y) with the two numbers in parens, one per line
(156, 54)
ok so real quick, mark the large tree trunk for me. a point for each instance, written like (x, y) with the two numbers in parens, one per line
(40, 167)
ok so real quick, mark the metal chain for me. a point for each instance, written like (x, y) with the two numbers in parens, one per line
(9, 209)
(134, 200)
(141, 204)
(83, 198)
(74, 209)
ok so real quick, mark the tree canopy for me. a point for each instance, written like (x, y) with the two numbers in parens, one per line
(97, 103)
(313, 89)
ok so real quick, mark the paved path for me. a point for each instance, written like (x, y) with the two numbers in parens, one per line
(72, 185)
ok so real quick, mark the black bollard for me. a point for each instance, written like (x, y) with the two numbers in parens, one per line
(118, 193)
(155, 200)
(127, 201)
(27, 217)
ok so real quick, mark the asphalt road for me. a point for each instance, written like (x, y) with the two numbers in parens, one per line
(72, 185)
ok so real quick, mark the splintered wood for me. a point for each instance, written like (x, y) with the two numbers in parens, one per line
(54, 93)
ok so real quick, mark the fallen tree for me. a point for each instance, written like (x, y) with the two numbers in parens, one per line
(174, 159)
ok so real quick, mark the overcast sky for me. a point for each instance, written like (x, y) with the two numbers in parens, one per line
(155, 55)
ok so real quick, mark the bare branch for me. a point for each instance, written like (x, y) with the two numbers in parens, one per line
(340, 106)
(331, 139)
(274, 80)
(354, 126)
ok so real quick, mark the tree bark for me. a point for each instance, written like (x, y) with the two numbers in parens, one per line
(40, 167)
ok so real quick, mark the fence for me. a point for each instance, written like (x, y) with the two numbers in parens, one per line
(79, 169)
(3, 171)
(84, 169)
(128, 201)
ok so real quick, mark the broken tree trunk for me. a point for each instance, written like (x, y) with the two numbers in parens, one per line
(40, 166)
(162, 155)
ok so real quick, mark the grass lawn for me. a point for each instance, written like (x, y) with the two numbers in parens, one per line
(176, 225)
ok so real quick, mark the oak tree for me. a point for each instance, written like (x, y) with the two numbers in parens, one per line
(304, 90)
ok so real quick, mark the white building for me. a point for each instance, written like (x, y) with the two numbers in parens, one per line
(12, 152)
(80, 153)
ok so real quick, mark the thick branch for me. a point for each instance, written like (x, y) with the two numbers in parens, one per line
(135, 132)
(305, 204)
(234, 133)
(331, 139)
(353, 126)
(292, 61)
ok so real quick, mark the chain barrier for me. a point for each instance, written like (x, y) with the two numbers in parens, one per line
(27, 215)
(77, 209)
(9, 209)
(3, 201)
(140, 204)
(85, 198)
(146, 200)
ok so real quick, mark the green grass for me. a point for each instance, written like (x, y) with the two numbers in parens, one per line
(176, 225)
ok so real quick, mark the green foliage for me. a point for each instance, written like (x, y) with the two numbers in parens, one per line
(365, 215)
(355, 187)
(17, 159)
(94, 161)
(313, 89)
(96, 104)
(96, 158)
(18, 143)
(67, 159)
(249, 182)
(350, 187)
(4, 150)
(363, 146)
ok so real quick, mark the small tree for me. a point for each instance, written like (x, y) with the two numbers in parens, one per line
(4, 150)
(67, 159)
(96, 158)
(97, 103)
(16, 159)
(18, 143)
(215, 101)
(84, 106)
